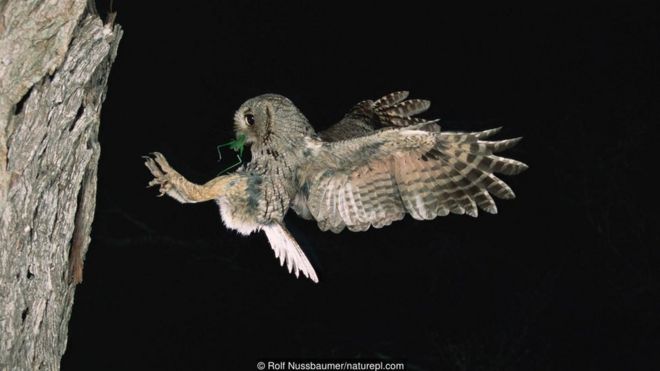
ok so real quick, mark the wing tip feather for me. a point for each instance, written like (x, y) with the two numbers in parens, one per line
(286, 247)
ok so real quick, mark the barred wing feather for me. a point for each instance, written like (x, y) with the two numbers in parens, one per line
(376, 179)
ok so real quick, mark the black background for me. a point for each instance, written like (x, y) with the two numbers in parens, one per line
(565, 277)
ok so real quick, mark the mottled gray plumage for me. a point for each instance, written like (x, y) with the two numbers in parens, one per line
(370, 169)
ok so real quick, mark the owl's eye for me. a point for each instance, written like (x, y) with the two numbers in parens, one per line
(249, 119)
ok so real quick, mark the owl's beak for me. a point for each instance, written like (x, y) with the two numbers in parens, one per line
(239, 129)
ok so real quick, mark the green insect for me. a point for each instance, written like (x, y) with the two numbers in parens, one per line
(237, 145)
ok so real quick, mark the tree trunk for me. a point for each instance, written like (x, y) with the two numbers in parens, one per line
(55, 57)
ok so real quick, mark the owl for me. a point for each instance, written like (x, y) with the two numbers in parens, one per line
(377, 164)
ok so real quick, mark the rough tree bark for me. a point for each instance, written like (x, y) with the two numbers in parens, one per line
(55, 57)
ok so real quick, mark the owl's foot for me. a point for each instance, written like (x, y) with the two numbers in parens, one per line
(162, 172)
(173, 184)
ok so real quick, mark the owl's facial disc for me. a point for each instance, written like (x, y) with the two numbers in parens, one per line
(252, 120)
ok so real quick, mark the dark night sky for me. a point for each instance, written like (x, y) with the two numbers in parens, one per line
(565, 277)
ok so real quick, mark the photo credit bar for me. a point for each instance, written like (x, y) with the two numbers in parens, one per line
(330, 364)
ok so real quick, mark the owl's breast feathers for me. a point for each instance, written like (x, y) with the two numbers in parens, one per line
(260, 195)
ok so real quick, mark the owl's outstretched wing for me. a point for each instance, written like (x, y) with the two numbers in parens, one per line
(392, 110)
(376, 179)
(287, 250)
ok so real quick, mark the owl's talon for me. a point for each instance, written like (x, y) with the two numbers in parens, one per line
(162, 162)
(161, 170)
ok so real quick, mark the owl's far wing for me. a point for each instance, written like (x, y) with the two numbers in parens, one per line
(392, 110)
(287, 250)
(377, 179)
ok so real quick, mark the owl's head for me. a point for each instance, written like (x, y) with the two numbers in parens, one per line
(270, 118)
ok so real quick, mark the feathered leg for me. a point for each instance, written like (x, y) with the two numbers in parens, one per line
(179, 188)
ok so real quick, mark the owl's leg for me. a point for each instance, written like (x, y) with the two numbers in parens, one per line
(173, 184)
